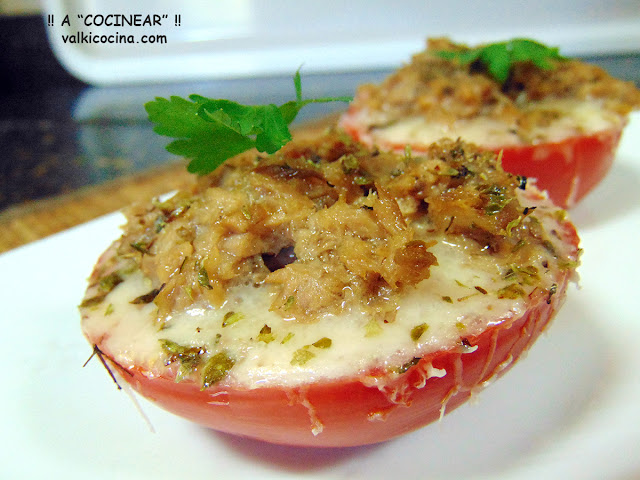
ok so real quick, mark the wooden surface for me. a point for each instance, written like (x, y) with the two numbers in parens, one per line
(22, 224)
(25, 223)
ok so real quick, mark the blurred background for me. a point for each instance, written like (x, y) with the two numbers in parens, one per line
(73, 131)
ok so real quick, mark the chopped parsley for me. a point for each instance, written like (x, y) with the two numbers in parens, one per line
(287, 337)
(406, 366)
(141, 246)
(216, 368)
(302, 356)
(189, 357)
(324, 342)
(232, 317)
(203, 278)
(512, 291)
(265, 334)
(111, 281)
(105, 285)
(290, 302)
(497, 199)
(418, 331)
(372, 328)
(147, 297)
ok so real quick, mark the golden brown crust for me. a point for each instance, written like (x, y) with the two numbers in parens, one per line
(327, 224)
(444, 90)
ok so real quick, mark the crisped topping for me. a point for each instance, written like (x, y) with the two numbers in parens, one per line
(446, 90)
(328, 225)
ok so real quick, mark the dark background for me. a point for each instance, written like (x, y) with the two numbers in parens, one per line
(58, 134)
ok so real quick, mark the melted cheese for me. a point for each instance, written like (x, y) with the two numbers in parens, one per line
(573, 118)
(134, 333)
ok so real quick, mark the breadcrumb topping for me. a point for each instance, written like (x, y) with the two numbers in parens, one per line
(328, 224)
(444, 91)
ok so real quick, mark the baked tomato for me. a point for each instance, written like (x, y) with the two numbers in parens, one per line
(566, 169)
(328, 294)
(559, 122)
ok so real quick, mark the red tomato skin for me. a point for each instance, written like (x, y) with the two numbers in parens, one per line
(358, 411)
(351, 412)
(568, 170)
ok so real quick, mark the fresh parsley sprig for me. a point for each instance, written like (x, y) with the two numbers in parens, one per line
(210, 131)
(498, 58)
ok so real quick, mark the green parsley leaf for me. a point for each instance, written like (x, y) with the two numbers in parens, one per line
(498, 58)
(210, 131)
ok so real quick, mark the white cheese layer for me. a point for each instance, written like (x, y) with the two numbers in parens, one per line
(448, 304)
(563, 119)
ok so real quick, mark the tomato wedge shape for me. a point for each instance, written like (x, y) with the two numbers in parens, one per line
(414, 283)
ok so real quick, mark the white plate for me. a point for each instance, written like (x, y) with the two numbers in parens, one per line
(571, 409)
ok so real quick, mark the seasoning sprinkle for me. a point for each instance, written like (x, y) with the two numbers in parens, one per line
(230, 318)
(418, 331)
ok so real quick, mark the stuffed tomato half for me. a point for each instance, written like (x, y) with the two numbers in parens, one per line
(554, 119)
(330, 294)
